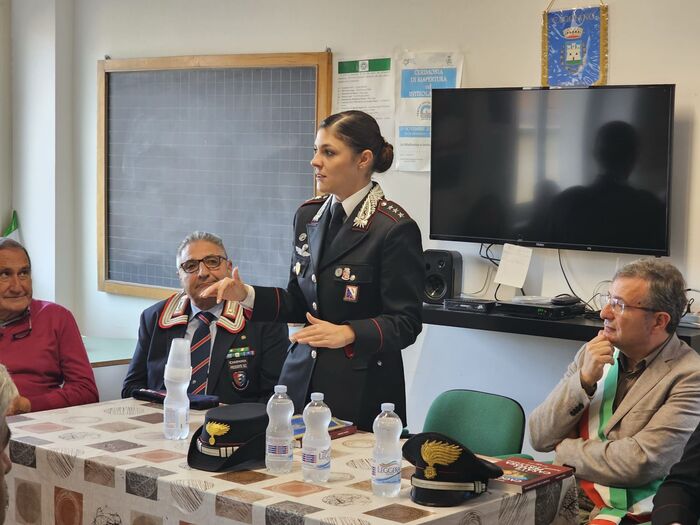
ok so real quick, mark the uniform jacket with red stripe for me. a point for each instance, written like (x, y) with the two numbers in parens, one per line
(371, 277)
(234, 378)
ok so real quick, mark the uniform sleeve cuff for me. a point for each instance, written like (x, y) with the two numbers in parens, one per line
(249, 300)
(349, 350)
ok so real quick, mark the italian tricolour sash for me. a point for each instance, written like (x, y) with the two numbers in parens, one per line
(615, 502)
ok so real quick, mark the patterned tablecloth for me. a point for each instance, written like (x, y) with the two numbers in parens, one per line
(108, 464)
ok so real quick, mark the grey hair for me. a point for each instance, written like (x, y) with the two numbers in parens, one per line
(10, 244)
(199, 236)
(666, 287)
(8, 390)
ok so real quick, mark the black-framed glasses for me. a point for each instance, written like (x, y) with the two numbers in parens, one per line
(22, 333)
(212, 262)
(618, 305)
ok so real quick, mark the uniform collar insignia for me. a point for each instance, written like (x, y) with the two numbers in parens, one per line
(369, 206)
(232, 319)
(175, 313)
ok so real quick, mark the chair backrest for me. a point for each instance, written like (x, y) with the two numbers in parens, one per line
(485, 423)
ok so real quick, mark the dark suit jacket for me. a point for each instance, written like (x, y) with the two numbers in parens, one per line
(678, 498)
(371, 278)
(248, 378)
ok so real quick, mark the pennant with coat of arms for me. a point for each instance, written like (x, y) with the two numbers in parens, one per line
(575, 46)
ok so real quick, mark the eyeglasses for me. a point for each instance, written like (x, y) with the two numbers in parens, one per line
(212, 262)
(21, 334)
(618, 305)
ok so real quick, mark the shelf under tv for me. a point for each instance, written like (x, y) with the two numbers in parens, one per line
(576, 329)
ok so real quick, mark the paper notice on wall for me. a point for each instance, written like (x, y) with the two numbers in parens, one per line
(367, 84)
(515, 261)
(420, 73)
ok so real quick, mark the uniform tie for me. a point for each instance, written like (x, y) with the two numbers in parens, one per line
(199, 353)
(337, 218)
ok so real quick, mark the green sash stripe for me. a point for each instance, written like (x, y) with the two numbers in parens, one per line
(637, 494)
(616, 512)
(618, 499)
(621, 499)
(609, 391)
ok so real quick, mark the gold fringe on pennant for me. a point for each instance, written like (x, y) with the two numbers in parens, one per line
(603, 77)
(545, 48)
(603, 68)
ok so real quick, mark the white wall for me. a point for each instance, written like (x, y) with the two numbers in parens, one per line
(5, 115)
(65, 180)
(649, 43)
(34, 137)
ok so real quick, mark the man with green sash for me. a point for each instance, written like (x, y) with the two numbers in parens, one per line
(627, 404)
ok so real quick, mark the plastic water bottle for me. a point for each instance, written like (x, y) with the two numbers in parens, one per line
(386, 467)
(316, 442)
(176, 407)
(279, 436)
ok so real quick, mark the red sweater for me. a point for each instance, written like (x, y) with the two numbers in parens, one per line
(48, 364)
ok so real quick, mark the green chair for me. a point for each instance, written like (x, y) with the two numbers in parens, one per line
(485, 423)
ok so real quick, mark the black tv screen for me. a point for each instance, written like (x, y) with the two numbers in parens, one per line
(577, 168)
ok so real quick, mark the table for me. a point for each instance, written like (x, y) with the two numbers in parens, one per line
(108, 464)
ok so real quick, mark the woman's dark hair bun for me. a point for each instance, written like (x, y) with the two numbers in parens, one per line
(385, 158)
(360, 131)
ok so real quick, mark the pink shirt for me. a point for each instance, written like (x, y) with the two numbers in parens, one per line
(46, 358)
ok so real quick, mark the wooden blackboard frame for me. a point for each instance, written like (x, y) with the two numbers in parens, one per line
(321, 61)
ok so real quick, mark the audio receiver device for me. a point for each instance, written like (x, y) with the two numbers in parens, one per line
(539, 311)
(461, 304)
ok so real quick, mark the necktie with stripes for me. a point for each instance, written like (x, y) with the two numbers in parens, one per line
(199, 353)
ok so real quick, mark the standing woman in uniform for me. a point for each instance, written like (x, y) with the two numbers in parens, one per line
(356, 279)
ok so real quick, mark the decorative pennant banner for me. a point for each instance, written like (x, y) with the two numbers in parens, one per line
(575, 46)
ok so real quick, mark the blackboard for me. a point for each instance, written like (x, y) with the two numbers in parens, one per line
(220, 144)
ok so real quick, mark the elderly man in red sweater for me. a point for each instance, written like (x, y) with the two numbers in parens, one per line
(40, 343)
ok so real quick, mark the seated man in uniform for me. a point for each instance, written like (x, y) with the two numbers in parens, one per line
(40, 343)
(232, 358)
(631, 398)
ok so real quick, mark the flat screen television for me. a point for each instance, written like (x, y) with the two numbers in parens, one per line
(576, 168)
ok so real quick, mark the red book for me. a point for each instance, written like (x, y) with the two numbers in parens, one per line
(521, 475)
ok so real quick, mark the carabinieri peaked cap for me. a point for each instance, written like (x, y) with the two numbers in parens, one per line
(232, 438)
(447, 472)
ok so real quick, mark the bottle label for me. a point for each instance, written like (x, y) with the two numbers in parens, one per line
(175, 418)
(280, 448)
(388, 472)
(316, 458)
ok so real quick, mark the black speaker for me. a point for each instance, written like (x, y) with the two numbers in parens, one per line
(443, 275)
